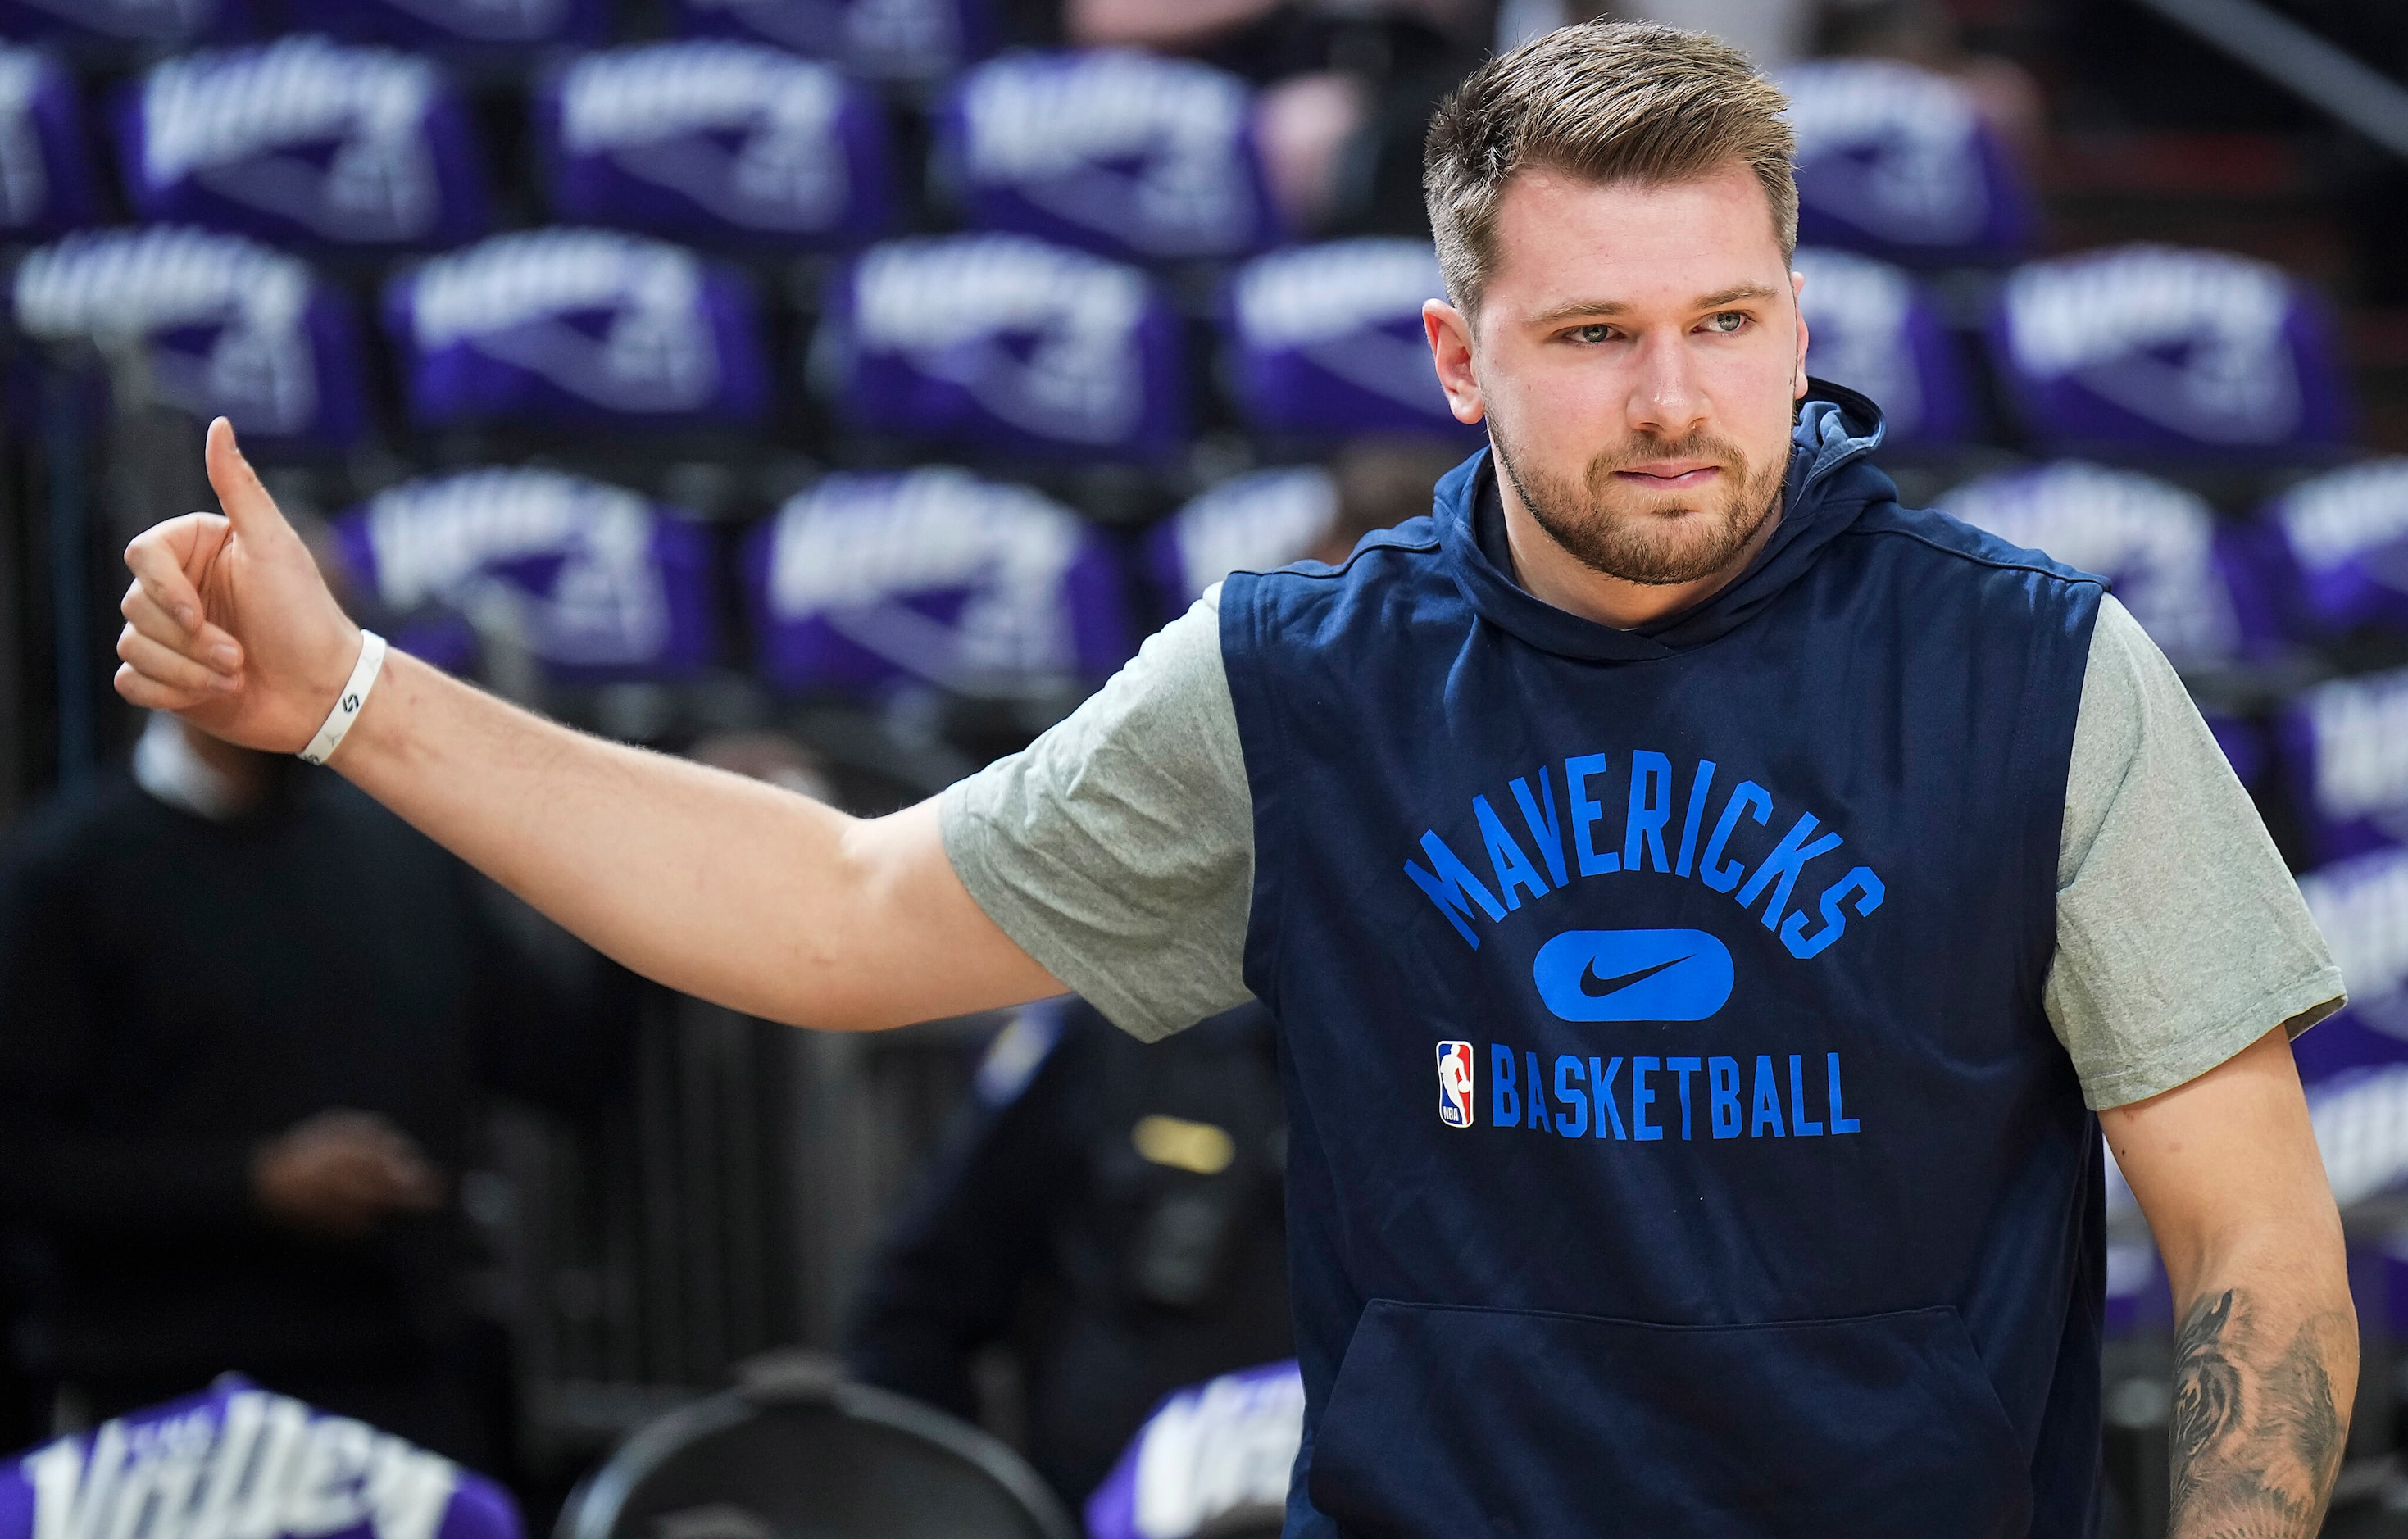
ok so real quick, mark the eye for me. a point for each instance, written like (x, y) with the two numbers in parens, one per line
(1727, 321)
(1596, 331)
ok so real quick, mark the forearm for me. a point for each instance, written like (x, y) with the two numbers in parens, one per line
(2265, 1371)
(723, 888)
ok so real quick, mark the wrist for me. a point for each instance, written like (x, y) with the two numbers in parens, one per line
(350, 698)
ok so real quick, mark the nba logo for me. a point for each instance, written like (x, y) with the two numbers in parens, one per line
(1455, 1084)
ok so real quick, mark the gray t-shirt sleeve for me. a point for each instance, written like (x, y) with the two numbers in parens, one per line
(1118, 850)
(2181, 939)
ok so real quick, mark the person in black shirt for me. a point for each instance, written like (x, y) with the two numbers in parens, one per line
(245, 1018)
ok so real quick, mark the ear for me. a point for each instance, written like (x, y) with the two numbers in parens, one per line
(1798, 384)
(1450, 343)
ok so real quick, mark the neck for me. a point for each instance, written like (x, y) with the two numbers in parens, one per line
(1553, 574)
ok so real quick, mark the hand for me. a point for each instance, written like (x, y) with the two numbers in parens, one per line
(342, 1173)
(229, 624)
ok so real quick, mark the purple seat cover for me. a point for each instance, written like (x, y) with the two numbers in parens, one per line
(1873, 329)
(714, 141)
(238, 1463)
(2160, 349)
(1212, 1459)
(227, 325)
(1326, 341)
(2341, 542)
(571, 326)
(902, 42)
(1252, 523)
(865, 582)
(304, 140)
(2158, 544)
(471, 26)
(109, 29)
(1004, 342)
(1129, 154)
(2360, 905)
(46, 183)
(2344, 746)
(1895, 161)
(591, 579)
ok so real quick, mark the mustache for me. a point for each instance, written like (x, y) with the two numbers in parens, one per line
(1651, 449)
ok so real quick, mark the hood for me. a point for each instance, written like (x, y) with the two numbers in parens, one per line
(1830, 482)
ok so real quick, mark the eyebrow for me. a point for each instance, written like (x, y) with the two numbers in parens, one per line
(1716, 300)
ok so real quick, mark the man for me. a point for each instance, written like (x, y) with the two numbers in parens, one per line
(246, 1016)
(1792, 865)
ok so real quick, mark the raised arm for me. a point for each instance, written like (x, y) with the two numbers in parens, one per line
(2227, 1171)
(721, 887)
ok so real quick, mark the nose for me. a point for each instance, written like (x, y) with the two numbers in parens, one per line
(1667, 398)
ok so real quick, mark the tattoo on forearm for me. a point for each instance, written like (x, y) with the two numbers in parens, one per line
(2257, 1433)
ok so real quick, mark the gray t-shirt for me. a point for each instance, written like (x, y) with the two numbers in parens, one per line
(1118, 851)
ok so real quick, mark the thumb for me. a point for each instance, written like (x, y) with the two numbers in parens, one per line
(248, 506)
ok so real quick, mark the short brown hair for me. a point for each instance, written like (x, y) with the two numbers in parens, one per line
(1603, 102)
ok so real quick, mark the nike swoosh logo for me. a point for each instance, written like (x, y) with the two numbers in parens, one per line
(1598, 988)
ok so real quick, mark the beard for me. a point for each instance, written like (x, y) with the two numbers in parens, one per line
(1653, 538)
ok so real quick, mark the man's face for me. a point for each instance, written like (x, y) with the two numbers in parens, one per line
(1638, 356)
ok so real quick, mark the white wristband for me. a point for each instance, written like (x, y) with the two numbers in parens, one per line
(348, 704)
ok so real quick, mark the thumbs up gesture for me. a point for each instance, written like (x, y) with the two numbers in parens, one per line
(228, 624)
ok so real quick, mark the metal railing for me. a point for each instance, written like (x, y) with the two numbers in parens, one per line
(2316, 71)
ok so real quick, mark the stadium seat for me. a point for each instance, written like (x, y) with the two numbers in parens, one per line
(304, 140)
(224, 325)
(717, 142)
(1213, 1459)
(896, 42)
(106, 31)
(1252, 522)
(800, 1452)
(1872, 328)
(1895, 161)
(1007, 343)
(1129, 154)
(2361, 906)
(865, 582)
(2344, 746)
(2170, 351)
(2342, 549)
(1325, 341)
(46, 182)
(2157, 543)
(469, 26)
(571, 326)
(238, 1461)
(590, 580)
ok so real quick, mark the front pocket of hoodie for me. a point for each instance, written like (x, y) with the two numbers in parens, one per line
(1454, 1421)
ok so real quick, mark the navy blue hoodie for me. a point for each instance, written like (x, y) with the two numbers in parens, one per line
(1677, 1143)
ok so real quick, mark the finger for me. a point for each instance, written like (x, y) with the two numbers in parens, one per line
(211, 644)
(150, 694)
(171, 667)
(246, 503)
(160, 558)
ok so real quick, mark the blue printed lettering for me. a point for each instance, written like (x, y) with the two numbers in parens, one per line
(1452, 883)
(1539, 1096)
(1695, 815)
(1749, 798)
(1722, 1082)
(1642, 1129)
(1780, 868)
(1514, 868)
(1841, 1122)
(1547, 833)
(1504, 1106)
(1684, 1067)
(1798, 1122)
(1860, 882)
(1586, 815)
(1651, 808)
(1601, 1086)
(1767, 1098)
(1574, 1121)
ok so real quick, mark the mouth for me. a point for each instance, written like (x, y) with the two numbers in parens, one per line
(1670, 474)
